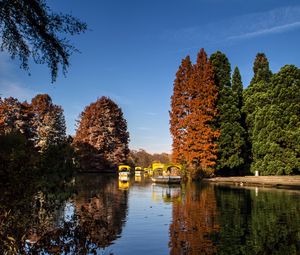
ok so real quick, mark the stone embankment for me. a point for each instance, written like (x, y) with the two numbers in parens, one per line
(283, 182)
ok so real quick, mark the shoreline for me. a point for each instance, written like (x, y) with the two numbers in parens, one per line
(279, 182)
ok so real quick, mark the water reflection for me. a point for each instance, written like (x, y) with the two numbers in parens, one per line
(87, 215)
(97, 215)
(257, 221)
(194, 221)
(166, 193)
(72, 218)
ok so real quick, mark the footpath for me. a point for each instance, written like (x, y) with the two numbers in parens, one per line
(283, 182)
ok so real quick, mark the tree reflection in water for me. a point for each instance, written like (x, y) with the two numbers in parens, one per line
(258, 221)
(55, 221)
(228, 220)
(86, 215)
(194, 221)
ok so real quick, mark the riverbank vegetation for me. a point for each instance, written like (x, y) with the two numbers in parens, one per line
(219, 128)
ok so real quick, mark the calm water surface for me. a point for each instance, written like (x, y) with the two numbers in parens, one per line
(95, 214)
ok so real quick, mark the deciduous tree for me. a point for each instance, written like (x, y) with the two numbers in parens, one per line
(102, 137)
(48, 122)
(201, 152)
(180, 110)
(15, 116)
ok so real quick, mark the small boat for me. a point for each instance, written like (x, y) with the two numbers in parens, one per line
(124, 173)
(167, 179)
(124, 176)
(138, 171)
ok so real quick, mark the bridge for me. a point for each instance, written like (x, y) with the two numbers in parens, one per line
(166, 167)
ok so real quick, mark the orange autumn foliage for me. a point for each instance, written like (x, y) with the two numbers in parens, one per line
(194, 221)
(194, 138)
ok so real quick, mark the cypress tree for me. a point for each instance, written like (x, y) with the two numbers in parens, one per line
(237, 87)
(179, 110)
(276, 130)
(231, 142)
(255, 94)
(201, 148)
(261, 69)
(255, 97)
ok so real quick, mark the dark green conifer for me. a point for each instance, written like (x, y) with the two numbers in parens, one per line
(255, 95)
(237, 86)
(261, 69)
(231, 141)
(276, 130)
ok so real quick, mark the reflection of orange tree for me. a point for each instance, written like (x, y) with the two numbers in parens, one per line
(194, 222)
(101, 211)
(100, 214)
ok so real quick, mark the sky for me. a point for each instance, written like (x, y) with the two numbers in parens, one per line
(132, 50)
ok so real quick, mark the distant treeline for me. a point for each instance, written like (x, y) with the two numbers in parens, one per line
(144, 159)
(219, 128)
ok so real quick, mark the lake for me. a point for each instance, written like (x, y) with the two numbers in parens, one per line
(97, 214)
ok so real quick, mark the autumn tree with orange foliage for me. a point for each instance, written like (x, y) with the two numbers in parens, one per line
(201, 136)
(193, 110)
(102, 137)
(48, 122)
(180, 110)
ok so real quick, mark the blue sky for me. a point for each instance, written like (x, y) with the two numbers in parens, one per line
(133, 48)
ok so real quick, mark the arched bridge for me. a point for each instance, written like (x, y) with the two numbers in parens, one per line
(166, 167)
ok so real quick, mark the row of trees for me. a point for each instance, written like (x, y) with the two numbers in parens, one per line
(33, 140)
(219, 128)
(144, 159)
(41, 121)
(101, 140)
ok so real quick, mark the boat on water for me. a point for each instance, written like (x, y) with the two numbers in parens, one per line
(138, 171)
(167, 179)
(164, 174)
(124, 173)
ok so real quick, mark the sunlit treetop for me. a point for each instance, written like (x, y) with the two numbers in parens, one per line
(29, 29)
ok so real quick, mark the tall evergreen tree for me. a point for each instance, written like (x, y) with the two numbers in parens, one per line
(237, 87)
(231, 141)
(255, 97)
(102, 137)
(201, 148)
(179, 110)
(261, 69)
(255, 94)
(276, 130)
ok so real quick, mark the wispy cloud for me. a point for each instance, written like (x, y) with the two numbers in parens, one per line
(15, 89)
(246, 26)
(271, 30)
